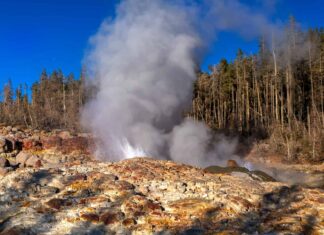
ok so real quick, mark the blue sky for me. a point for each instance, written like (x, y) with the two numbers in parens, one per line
(51, 34)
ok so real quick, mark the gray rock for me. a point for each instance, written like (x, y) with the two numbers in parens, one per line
(22, 157)
(33, 161)
(64, 135)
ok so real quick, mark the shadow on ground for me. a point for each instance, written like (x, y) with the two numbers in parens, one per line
(275, 214)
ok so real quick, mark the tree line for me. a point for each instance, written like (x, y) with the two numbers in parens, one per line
(55, 102)
(275, 94)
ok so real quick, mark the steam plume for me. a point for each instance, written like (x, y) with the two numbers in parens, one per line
(144, 64)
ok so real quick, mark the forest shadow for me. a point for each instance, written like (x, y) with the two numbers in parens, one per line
(90, 229)
(21, 198)
(45, 217)
(266, 219)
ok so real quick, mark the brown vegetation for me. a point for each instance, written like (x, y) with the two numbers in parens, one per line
(55, 102)
(275, 94)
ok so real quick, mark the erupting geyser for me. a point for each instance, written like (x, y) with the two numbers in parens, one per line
(144, 65)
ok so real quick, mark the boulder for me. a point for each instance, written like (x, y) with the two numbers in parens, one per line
(33, 161)
(26, 159)
(64, 135)
(22, 157)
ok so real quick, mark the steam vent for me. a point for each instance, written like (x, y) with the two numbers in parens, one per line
(44, 190)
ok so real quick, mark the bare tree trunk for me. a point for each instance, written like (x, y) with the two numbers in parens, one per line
(64, 104)
(311, 75)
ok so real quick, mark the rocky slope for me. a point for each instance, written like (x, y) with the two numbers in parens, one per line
(146, 196)
(44, 190)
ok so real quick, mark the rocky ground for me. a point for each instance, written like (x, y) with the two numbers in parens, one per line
(49, 184)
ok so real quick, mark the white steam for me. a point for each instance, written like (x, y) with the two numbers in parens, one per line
(144, 64)
(145, 69)
(232, 15)
(193, 143)
(129, 151)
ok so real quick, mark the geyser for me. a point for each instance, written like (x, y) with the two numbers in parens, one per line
(144, 65)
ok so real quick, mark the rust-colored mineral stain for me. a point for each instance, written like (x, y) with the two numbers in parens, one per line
(153, 206)
(129, 222)
(43, 210)
(189, 205)
(55, 203)
(26, 204)
(79, 185)
(124, 185)
(76, 177)
(91, 217)
(109, 218)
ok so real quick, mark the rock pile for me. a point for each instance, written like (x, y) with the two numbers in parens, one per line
(12, 140)
(33, 148)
